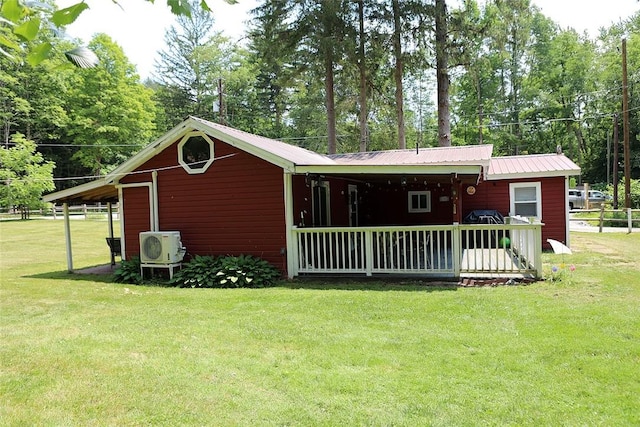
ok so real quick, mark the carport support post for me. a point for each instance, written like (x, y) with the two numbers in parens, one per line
(67, 236)
(110, 222)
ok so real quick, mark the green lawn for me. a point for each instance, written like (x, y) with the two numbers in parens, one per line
(78, 350)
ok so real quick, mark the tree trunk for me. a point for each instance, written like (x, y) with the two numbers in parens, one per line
(397, 52)
(330, 103)
(442, 75)
(480, 109)
(363, 80)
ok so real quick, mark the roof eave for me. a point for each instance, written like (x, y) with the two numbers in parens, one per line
(529, 175)
(390, 169)
(99, 190)
(265, 155)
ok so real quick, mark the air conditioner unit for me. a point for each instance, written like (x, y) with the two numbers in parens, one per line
(161, 247)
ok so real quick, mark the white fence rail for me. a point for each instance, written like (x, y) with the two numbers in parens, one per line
(603, 218)
(510, 250)
(57, 211)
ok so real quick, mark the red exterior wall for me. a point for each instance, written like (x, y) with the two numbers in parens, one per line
(137, 218)
(495, 195)
(235, 207)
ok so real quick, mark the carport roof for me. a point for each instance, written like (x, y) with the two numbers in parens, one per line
(94, 191)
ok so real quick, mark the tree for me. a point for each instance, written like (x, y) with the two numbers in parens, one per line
(398, 72)
(272, 55)
(24, 175)
(442, 74)
(112, 114)
(191, 67)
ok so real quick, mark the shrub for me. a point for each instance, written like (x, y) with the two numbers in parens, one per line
(634, 196)
(128, 272)
(244, 271)
(200, 272)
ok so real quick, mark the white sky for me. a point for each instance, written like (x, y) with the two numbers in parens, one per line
(139, 26)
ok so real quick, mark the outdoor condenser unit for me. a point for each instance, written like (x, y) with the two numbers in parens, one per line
(161, 247)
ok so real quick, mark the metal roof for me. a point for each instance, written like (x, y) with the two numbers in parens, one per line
(531, 166)
(263, 147)
(459, 155)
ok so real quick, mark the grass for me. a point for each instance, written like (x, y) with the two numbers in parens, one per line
(79, 350)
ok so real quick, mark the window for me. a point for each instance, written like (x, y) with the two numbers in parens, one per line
(526, 199)
(195, 152)
(419, 201)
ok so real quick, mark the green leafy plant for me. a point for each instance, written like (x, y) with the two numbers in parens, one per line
(244, 271)
(128, 272)
(200, 272)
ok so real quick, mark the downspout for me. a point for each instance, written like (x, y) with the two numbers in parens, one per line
(67, 235)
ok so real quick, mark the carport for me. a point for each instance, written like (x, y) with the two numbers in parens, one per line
(99, 191)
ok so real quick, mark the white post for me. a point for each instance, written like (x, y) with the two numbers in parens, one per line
(121, 217)
(567, 224)
(291, 244)
(456, 250)
(110, 221)
(154, 203)
(629, 220)
(67, 235)
(538, 250)
(368, 245)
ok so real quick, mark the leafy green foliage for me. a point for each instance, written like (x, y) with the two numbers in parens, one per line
(634, 196)
(109, 109)
(200, 272)
(24, 175)
(244, 271)
(128, 272)
(24, 19)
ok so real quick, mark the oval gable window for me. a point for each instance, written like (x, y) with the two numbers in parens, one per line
(195, 152)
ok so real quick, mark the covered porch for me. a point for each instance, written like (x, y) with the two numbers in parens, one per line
(401, 213)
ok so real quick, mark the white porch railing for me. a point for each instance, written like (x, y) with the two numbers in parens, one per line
(504, 250)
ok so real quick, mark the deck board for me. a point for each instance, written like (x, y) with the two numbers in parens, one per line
(494, 259)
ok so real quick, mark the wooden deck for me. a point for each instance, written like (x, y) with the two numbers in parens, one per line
(435, 251)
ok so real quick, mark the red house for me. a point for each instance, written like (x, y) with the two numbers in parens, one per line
(429, 211)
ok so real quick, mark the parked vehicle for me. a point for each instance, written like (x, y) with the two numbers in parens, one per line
(596, 199)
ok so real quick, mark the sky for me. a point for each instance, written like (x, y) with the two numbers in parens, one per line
(138, 26)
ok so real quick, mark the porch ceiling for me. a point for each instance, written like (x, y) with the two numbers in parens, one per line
(95, 191)
(410, 178)
(380, 170)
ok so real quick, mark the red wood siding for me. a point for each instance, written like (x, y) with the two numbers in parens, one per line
(495, 195)
(137, 218)
(235, 207)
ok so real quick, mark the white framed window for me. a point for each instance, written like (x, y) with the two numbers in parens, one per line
(419, 201)
(526, 199)
(195, 152)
